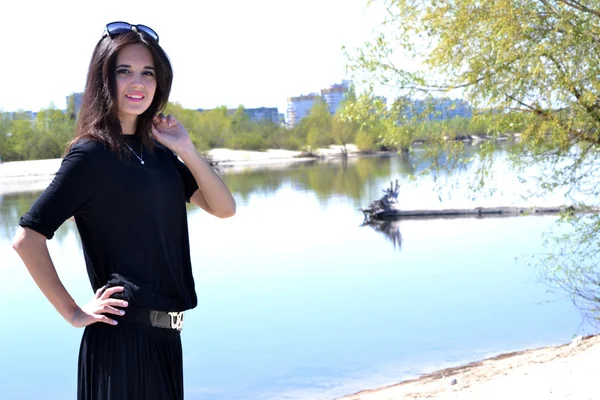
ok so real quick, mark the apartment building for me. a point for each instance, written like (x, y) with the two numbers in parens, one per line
(299, 107)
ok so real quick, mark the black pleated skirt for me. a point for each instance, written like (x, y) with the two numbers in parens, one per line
(130, 361)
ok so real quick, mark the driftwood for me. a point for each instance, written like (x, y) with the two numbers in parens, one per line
(395, 213)
(389, 201)
(388, 208)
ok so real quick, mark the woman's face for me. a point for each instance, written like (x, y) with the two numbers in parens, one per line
(136, 80)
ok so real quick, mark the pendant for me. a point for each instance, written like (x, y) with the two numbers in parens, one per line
(142, 162)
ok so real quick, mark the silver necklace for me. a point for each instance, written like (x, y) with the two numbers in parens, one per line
(141, 156)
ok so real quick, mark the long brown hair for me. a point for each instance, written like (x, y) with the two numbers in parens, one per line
(98, 117)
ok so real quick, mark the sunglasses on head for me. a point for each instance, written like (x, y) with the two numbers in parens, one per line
(116, 28)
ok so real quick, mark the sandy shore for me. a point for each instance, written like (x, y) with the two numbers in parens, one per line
(21, 176)
(557, 372)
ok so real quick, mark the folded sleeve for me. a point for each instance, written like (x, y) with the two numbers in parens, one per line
(68, 194)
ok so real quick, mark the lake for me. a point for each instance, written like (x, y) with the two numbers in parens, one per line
(297, 300)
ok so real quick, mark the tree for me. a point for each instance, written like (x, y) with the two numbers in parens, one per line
(343, 127)
(22, 135)
(316, 126)
(531, 62)
(343, 132)
(71, 112)
(193, 122)
(368, 115)
(6, 153)
(535, 57)
(58, 126)
(240, 122)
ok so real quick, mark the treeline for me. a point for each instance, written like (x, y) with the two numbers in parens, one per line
(481, 125)
(364, 121)
(23, 138)
(219, 128)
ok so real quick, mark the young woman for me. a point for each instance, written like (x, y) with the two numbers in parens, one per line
(123, 182)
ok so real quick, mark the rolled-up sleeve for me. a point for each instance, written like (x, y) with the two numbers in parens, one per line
(67, 195)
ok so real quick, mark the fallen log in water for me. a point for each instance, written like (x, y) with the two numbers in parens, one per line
(397, 213)
(388, 208)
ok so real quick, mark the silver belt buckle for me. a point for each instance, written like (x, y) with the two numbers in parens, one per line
(176, 320)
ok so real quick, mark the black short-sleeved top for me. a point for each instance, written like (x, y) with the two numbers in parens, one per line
(131, 218)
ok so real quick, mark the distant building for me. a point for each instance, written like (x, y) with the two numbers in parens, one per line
(77, 100)
(437, 109)
(335, 94)
(26, 115)
(32, 115)
(261, 114)
(299, 107)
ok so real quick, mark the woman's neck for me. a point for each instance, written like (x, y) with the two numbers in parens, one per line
(128, 124)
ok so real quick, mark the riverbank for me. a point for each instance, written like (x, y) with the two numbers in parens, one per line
(555, 372)
(23, 176)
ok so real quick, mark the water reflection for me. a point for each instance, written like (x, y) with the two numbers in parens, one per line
(353, 179)
(325, 179)
(390, 229)
(359, 179)
(13, 206)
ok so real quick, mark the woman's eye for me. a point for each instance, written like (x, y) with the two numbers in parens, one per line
(122, 71)
(148, 73)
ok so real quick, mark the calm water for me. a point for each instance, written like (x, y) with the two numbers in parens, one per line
(297, 300)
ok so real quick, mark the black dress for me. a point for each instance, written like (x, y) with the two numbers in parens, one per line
(133, 224)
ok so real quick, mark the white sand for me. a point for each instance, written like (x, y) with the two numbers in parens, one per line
(22, 176)
(549, 373)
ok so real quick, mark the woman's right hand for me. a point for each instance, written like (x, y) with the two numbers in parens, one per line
(101, 304)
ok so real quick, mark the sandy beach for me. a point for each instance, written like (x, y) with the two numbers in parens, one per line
(549, 373)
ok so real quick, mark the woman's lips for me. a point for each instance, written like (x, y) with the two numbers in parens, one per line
(135, 98)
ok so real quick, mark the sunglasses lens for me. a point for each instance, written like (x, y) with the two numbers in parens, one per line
(147, 30)
(115, 28)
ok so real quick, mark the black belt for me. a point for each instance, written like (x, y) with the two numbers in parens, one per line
(158, 319)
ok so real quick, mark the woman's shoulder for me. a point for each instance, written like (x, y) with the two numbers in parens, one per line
(87, 145)
(87, 152)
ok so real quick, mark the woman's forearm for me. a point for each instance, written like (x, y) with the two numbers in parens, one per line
(213, 191)
(31, 247)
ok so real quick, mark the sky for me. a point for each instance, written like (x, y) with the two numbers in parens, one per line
(250, 52)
